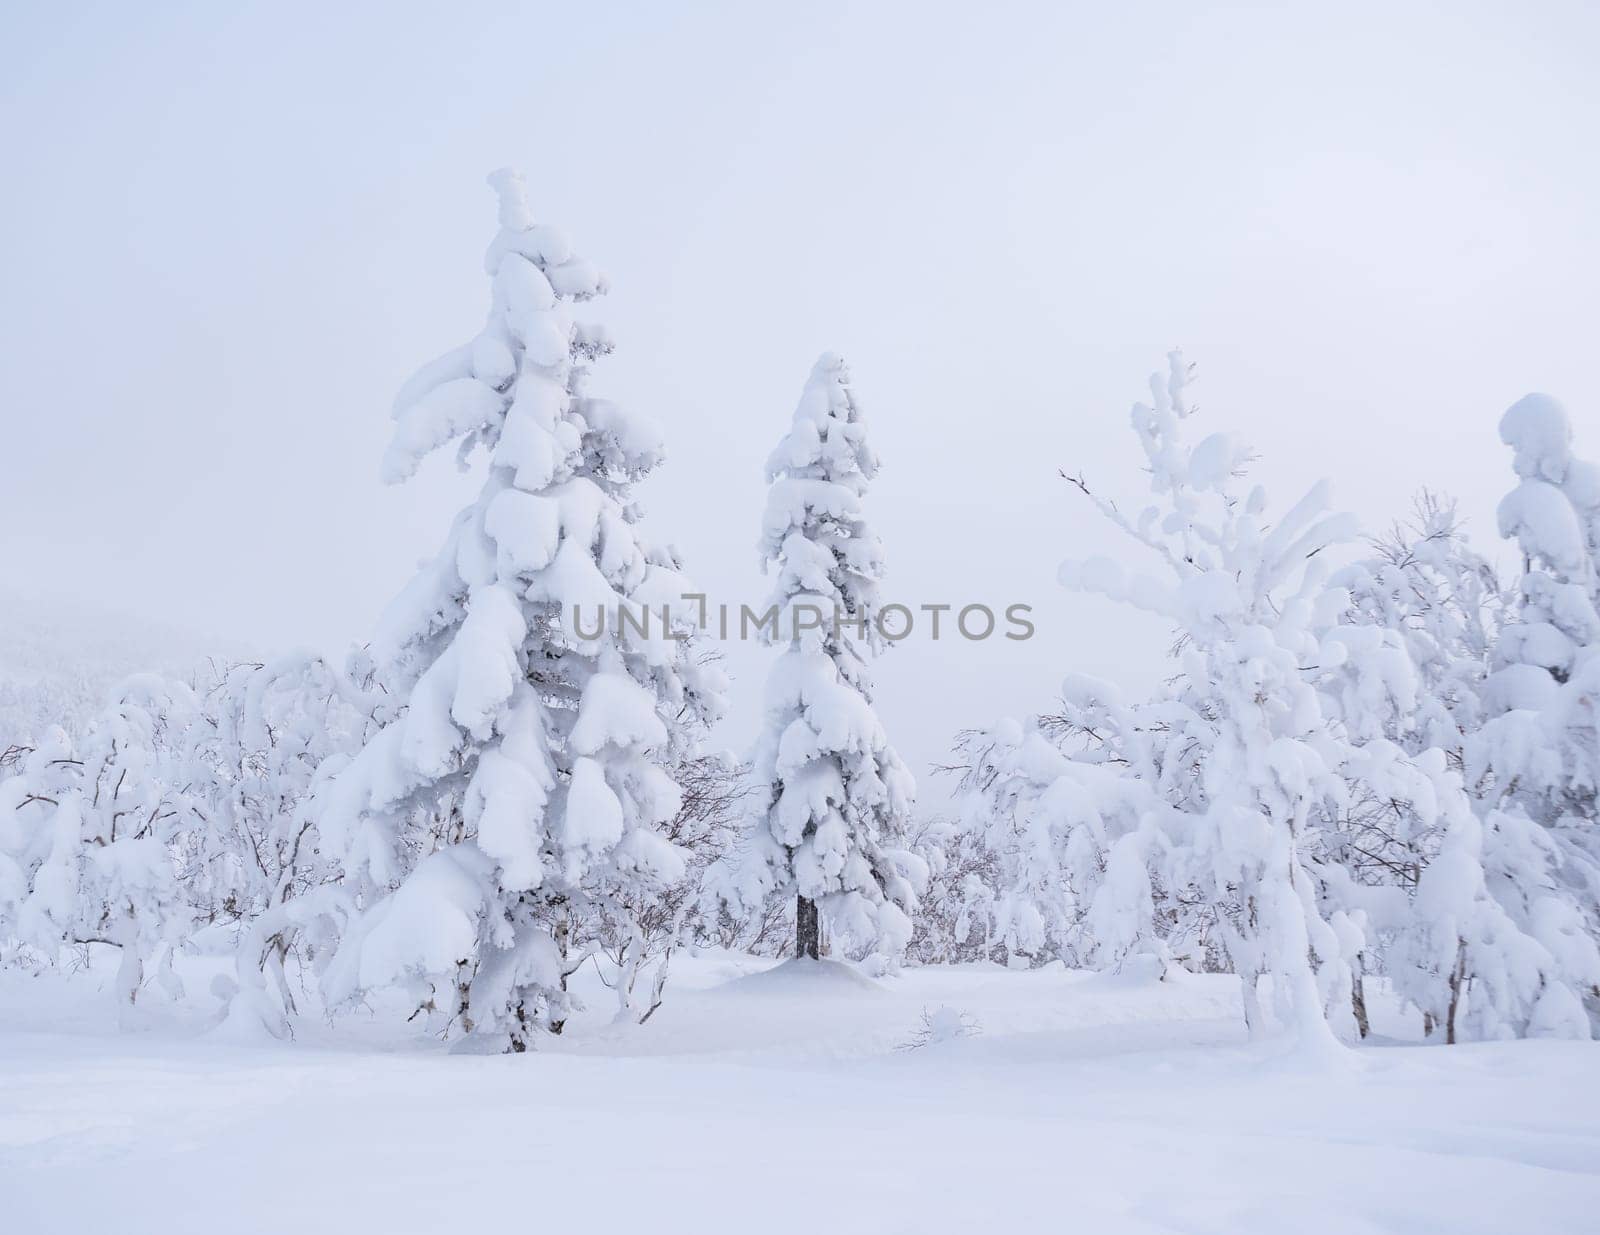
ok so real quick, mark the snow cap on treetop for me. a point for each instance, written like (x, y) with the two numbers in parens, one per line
(514, 212)
(1538, 430)
(827, 439)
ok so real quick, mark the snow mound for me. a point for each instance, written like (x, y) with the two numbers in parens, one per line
(1135, 971)
(803, 977)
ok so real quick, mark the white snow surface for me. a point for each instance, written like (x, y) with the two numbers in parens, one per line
(1109, 1103)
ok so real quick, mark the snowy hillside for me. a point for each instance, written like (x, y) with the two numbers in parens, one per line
(60, 660)
(1042, 1100)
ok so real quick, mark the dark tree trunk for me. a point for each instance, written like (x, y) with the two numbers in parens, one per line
(806, 933)
(562, 932)
(1358, 1003)
(1458, 977)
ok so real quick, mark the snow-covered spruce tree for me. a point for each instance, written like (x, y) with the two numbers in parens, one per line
(88, 833)
(1544, 744)
(536, 725)
(831, 798)
(1539, 750)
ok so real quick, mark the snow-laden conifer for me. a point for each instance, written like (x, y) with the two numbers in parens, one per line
(536, 724)
(831, 797)
(1539, 750)
(1543, 741)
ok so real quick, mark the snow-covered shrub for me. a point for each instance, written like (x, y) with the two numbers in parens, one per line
(1456, 890)
(637, 927)
(940, 1025)
(540, 743)
(266, 738)
(832, 797)
(89, 832)
(1021, 809)
(955, 918)
(266, 734)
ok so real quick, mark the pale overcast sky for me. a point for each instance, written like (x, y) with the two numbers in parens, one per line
(229, 232)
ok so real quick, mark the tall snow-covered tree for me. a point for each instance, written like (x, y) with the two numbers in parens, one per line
(1292, 804)
(1237, 745)
(540, 701)
(1539, 749)
(831, 797)
(1204, 824)
(1544, 742)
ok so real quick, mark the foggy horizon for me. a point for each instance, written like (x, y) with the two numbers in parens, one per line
(232, 236)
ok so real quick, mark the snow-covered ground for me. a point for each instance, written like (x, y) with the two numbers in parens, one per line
(788, 1100)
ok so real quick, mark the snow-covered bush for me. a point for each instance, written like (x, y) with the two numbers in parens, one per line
(832, 797)
(955, 918)
(266, 738)
(536, 729)
(940, 1025)
(637, 927)
(89, 832)
(1041, 838)
(1456, 889)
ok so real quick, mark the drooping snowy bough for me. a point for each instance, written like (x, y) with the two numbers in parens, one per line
(544, 697)
(831, 796)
